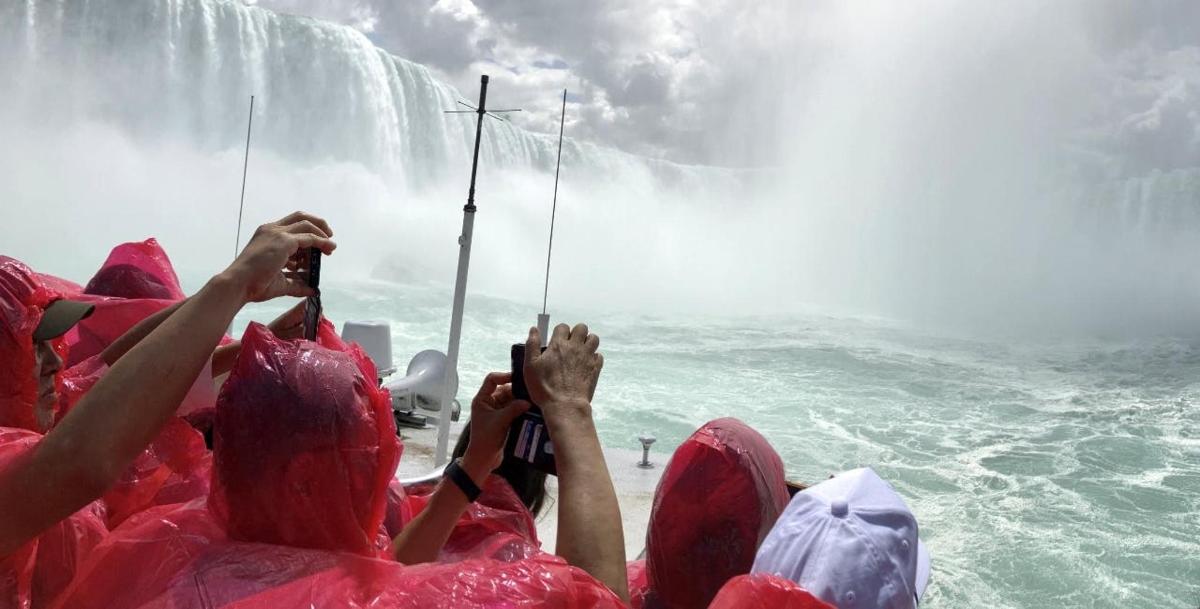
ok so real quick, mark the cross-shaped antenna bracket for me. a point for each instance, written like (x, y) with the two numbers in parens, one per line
(474, 110)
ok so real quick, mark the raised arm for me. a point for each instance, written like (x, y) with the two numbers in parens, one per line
(289, 325)
(562, 381)
(84, 455)
(134, 335)
(492, 412)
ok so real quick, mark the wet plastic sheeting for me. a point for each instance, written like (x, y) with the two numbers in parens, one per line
(138, 269)
(62, 549)
(76, 382)
(640, 595)
(136, 281)
(179, 558)
(304, 426)
(765, 591)
(175, 468)
(111, 318)
(497, 525)
(35, 574)
(398, 511)
(67, 288)
(719, 496)
(542, 582)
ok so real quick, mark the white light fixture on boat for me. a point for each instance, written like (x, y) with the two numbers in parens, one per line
(375, 337)
(422, 383)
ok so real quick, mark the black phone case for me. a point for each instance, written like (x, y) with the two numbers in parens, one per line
(312, 305)
(529, 437)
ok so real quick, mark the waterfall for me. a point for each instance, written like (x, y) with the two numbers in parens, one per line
(913, 179)
(185, 68)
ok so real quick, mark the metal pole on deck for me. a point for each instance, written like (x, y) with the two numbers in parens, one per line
(460, 282)
(460, 289)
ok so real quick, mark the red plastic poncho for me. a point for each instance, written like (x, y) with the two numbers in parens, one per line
(719, 496)
(111, 318)
(23, 299)
(303, 426)
(175, 468)
(36, 573)
(497, 525)
(178, 557)
(66, 287)
(76, 382)
(135, 282)
(62, 550)
(543, 582)
(399, 511)
(765, 590)
(640, 595)
(136, 270)
(79, 379)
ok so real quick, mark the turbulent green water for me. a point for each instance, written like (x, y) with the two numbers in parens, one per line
(1056, 475)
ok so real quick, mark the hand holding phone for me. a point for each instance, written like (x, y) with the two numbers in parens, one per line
(529, 437)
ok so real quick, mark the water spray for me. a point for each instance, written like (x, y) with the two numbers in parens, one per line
(460, 282)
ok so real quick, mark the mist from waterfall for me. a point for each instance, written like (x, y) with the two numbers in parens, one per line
(935, 163)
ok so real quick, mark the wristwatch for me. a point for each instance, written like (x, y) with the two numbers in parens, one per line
(456, 474)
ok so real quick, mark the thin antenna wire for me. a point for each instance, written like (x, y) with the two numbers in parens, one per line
(554, 207)
(237, 242)
(474, 110)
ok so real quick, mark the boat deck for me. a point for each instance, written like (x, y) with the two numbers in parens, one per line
(635, 486)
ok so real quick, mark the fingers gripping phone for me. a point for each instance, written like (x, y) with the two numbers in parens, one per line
(312, 305)
(529, 436)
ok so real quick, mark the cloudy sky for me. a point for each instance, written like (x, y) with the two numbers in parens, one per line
(687, 80)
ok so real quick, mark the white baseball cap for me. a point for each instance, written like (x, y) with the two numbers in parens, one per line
(852, 542)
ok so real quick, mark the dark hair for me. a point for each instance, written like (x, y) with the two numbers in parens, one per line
(529, 483)
(795, 487)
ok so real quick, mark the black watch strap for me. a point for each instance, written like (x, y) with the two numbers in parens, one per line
(455, 473)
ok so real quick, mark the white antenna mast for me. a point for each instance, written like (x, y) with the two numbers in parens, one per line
(543, 322)
(237, 241)
(460, 282)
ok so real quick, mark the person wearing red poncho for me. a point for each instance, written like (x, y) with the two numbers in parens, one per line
(305, 450)
(562, 380)
(80, 458)
(717, 499)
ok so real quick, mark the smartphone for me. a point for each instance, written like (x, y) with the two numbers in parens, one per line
(312, 305)
(529, 437)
